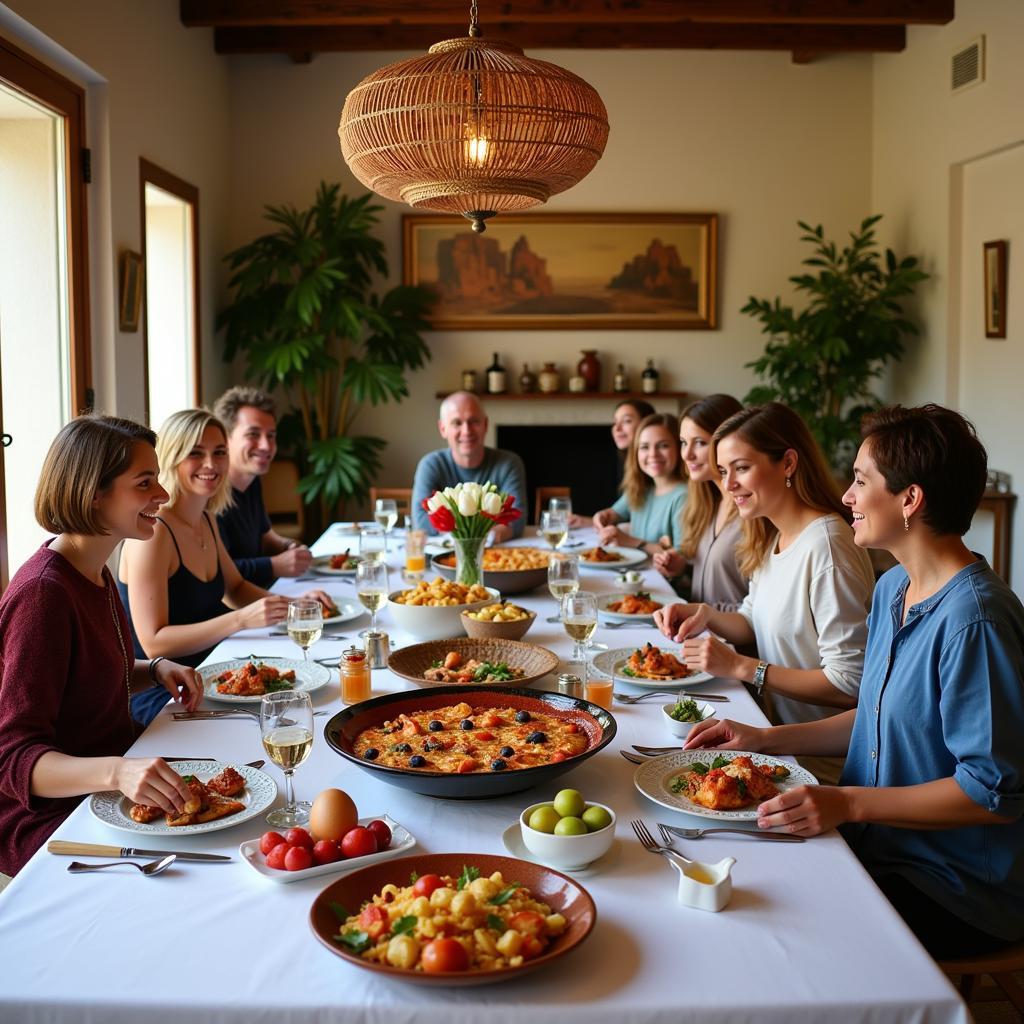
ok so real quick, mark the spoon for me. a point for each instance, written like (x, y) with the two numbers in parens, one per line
(154, 867)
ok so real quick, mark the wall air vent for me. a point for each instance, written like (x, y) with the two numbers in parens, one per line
(967, 66)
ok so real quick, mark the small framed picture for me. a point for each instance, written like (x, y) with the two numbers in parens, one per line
(132, 281)
(995, 289)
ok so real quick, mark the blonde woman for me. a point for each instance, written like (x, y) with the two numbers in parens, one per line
(711, 526)
(182, 591)
(810, 584)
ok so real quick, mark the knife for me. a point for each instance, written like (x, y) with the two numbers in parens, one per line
(98, 850)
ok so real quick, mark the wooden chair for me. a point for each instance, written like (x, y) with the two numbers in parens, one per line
(999, 967)
(541, 497)
(401, 495)
(282, 499)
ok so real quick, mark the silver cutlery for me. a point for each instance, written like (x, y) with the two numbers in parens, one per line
(632, 758)
(629, 698)
(205, 716)
(668, 831)
(648, 843)
(628, 625)
(153, 868)
(59, 846)
(553, 618)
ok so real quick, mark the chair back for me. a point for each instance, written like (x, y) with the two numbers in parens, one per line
(402, 497)
(282, 500)
(541, 497)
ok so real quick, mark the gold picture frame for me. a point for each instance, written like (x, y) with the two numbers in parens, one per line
(582, 271)
(995, 289)
(132, 280)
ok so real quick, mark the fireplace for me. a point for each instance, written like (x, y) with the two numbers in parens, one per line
(581, 457)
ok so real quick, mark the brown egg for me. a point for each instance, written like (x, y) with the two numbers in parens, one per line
(332, 815)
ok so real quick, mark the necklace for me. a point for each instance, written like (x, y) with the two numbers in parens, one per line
(124, 650)
(198, 535)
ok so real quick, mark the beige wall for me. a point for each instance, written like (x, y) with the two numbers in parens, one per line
(749, 135)
(155, 90)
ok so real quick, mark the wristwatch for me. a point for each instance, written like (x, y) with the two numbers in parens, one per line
(759, 674)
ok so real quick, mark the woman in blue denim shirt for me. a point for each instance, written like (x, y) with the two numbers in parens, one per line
(932, 796)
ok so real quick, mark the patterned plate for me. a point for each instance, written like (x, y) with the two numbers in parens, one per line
(309, 676)
(653, 778)
(260, 792)
(609, 663)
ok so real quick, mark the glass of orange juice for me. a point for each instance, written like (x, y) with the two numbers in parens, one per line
(599, 691)
(415, 557)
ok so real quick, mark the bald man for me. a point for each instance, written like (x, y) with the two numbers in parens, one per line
(463, 424)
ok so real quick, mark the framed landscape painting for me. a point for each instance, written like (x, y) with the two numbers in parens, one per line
(567, 270)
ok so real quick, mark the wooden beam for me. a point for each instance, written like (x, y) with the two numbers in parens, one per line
(296, 13)
(818, 39)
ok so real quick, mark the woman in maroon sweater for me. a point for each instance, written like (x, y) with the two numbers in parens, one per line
(67, 669)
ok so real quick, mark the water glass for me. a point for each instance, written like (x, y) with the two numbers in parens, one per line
(561, 504)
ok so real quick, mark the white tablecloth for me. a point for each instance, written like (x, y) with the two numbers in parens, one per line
(807, 936)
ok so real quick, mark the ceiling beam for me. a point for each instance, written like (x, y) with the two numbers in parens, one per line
(817, 39)
(294, 13)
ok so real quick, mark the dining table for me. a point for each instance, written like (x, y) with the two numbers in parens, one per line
(806, 937)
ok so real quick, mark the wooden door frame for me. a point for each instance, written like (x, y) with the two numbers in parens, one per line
(152, 174)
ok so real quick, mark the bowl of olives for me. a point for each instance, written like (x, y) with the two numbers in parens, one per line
(683, 715)
(567, 832)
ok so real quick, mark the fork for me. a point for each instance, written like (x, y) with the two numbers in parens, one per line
(632, 758)
(626, 624)
(668, 831)
(629, 698)
(648, 843)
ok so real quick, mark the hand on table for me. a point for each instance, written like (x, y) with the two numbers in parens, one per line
(725, 734)
(267, 611)
(152, 781)
(293, 561)
(184, 684)
(711, 655)
(679, 621)
(805, 810)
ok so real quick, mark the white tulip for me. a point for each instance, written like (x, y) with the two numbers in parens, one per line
(435, 501)
(491, 503)
(475, 489)
(468, 504)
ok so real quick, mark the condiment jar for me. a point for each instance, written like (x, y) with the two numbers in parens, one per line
(549, 379)
(355, 676)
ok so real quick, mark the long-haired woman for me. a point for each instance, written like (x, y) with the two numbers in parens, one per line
(932, 796)
(710, 526)
(176, 585)
(810, 584)
(67, 669)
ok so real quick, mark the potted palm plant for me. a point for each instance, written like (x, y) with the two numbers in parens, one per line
(306, 319)
(821, 361)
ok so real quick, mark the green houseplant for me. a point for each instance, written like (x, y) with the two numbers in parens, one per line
(306, 319)
(822, 360)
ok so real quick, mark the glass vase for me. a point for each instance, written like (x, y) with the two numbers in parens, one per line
(469, 560)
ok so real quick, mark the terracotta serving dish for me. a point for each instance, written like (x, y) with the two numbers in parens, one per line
(508, 582)
(411, 662)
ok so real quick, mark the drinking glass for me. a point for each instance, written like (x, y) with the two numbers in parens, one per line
(286, 727)
(579, 619)
(305, 624)
(554, 527)
(385, 511)
(563, 576)
(372, 543)
(372, 587)
(415, 555)
(562, 504)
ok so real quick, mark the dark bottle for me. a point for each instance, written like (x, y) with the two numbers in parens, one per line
(621, 380)
(495, 377)
(527, 381)
(649, 379)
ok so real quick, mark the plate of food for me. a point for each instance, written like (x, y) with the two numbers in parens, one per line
(473, 660)
(223, 795)
(500, 918)
(341, 609)
(638, 607)
(726, 785)
(246, 680)
(342, 563)
(611, 556)
(647, 666)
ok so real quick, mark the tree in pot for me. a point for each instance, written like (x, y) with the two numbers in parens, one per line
(821, 361)
(305, 318)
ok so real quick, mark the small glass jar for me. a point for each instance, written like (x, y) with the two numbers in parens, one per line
(355, 676)
(577, 384)
(469, 380)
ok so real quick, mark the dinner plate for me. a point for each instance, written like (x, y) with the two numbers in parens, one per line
(260, 792)
(402, 840)
(608, 663)
(309, 676)
(322, 566)
(654, 777)
(347, 610)
(630, 557)
(606, 613)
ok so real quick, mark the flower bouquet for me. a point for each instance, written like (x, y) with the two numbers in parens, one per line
(467, 512)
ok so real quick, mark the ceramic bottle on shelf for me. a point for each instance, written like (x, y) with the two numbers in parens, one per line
(649, 379)
(550, 381)
(589, 368)
(527, 381)
(469, 380)
(621, 385)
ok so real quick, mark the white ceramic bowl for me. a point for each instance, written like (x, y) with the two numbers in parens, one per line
(426, 622)
(630, 581)
(567, 852)
(683, 728)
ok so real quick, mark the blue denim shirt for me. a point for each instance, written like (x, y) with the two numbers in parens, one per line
(943, 696)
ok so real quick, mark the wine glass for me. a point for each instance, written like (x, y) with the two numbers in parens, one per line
(372, 587)
(286, 727)
(579, 619)
(554, 527)
(561, 504)
(305, 624)
(385, 512)
(372, 543)
(563, 576)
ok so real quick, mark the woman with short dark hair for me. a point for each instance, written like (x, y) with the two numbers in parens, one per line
(932, 795)
(67, 668)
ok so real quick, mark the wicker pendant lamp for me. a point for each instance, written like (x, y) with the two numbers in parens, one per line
(473, 127)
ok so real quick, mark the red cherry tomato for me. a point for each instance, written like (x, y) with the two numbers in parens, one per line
(298, 858)
(382, 832)
(559, 755)
(275, 859)
(298, 837)
(358, 842)
(373, 920)
(444, 955)
(426, 884)
(269, 840)
(484, 735)
(326, 852)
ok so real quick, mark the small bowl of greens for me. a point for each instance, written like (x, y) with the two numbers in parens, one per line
(682, 715)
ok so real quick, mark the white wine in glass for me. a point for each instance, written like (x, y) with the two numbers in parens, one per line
(385, 512)
(579, 620)
(305, 624)
(286, 727)
(554, 528)
(372, 587)
(563, 576)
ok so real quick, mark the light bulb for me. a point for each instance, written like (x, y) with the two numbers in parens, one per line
(476, 150)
